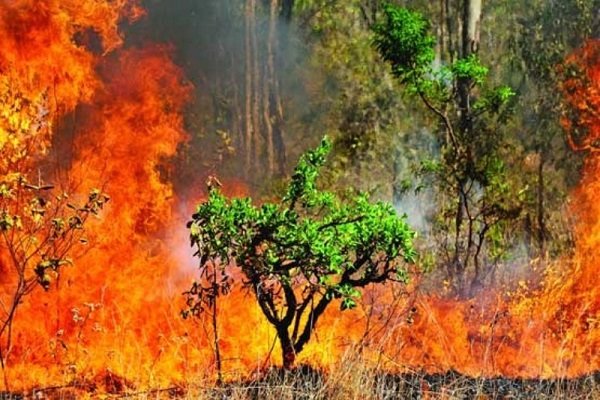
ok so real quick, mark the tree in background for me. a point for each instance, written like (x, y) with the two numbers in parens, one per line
(329, 78)
(474, 196)
(352, 95)
(238, 124)
(297, 255)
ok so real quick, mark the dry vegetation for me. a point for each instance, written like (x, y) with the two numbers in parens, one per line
(349, 379)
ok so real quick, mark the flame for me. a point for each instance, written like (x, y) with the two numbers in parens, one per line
(116, 311)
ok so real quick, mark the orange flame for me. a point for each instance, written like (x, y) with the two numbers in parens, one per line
(117, 310)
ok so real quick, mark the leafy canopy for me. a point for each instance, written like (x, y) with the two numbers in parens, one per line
(403, 40)
(310, 234)
(474, 195)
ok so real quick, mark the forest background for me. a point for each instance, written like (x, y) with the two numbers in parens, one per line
(272, 77)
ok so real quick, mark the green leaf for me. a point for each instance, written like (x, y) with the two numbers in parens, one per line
(402, 39)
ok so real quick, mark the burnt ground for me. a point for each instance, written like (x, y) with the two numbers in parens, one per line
(306, 383)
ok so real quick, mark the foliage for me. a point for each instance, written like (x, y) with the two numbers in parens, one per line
(540, 40)
(474, 194)
(403, 41)
(335, 82)
(550, 30)
(353, 96)
(300, 253)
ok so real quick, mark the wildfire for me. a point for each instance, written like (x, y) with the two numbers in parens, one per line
(117, 309)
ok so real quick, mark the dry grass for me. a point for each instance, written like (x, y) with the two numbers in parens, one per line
(350, 379)
(354, 381)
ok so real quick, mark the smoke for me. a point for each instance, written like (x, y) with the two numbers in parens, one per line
(210, 39)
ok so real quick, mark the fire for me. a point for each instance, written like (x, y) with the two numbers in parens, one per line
(116, 311)
(546, 332)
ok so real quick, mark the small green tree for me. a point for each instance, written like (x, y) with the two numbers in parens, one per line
(299, 254)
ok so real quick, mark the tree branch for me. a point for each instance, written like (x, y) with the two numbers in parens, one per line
(442, 116)
(311, 322)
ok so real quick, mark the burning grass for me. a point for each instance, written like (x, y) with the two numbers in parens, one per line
(353, 381)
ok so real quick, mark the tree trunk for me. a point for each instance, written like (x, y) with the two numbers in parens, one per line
(471, 19)
(256, 90)
(287, 348)
(457, 261)
(268, 126)
(278, 40)
(215, 328)
(441, 33)
(248, 133)
(449, 31)
(471, 26)
(269, 88)
(471, 16)
(237, 120)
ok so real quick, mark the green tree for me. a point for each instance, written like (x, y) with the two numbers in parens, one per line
(299, 254)
(475, 199)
